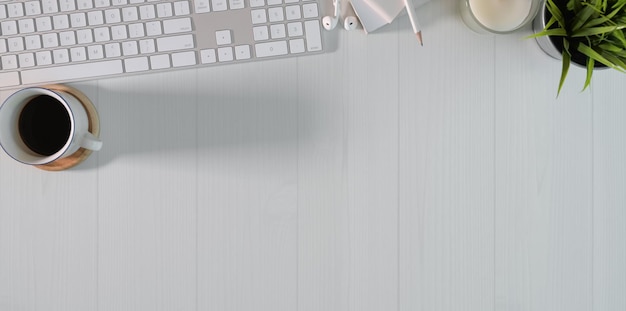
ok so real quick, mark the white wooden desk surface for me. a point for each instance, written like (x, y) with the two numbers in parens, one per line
(378, 176)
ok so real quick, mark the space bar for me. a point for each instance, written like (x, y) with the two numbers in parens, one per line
(72, 72)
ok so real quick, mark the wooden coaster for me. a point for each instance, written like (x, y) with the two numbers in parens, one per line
(94, 127)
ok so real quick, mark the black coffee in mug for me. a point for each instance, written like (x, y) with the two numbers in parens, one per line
(44, 125)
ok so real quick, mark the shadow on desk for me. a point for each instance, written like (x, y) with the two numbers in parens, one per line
(157, 122)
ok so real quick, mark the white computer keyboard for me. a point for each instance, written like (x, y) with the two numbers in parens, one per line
(51, 41)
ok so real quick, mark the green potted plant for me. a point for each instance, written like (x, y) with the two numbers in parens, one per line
(589, 33)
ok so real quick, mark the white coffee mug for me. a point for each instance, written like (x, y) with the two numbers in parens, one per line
(40, 125)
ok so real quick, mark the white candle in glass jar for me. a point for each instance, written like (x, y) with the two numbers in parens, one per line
(499, 15)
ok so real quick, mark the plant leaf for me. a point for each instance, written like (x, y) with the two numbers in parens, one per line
(582, 17)
(618, 4)
(564, 70)
(616, 10)
(586, 32)
(619, 35)
(556, 12)
(590, 66)
(558, 32)
(608, 46)
(591, 53)
(615, 59)
(597, 21)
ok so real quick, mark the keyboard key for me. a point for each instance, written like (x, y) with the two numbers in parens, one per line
(15, 44)
(164, 10)
(276, 14)
(9, 62)
(49, 6)
(84, 4)
(257, 3)
(175, 43)
(136, 31)
(160, 61)
(242, 52)
(258, 16)
(61, 22)
(84, 36)
(112, 50)
(95, 52)
(236, 4)
(112, 16)
(61, 56)
(225, 54)
(208, 56)
(223, 37)
(8, 28)
(32, 8)
(153, 28)
(293, 12)
(43, 58)
(310, 10)
(183, 59)
(147, 46)
(26, 26)
(67, 5)
(271, 49)
(260, 33)
(71, 72)
(130, 48)
(26, 60)
(9, 79)
(95, 18)
(78, 20)
(294, 29)
(101, 34)
(78, 54)
(50, 40)
(136, 64)
(278, 31)
(43, 23)
(15, 9)
(181, 8)
(202, 6)
(67, 38)
(219, 5)
(296, 46)
(118, 32)
(33, 42)
(172, 26)
(129, 14)
(313, 35)
(102, 3)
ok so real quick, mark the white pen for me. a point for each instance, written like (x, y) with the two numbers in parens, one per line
(417, 29)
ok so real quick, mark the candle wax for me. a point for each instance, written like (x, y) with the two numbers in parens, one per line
(500, 15)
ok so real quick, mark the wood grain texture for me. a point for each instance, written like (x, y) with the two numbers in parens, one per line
(378, 176)
(609, 197)
(48, 236)
(323, 212)
(446, 165)
(543, 182)
(247, 199)
(372, 172)
(147, 193)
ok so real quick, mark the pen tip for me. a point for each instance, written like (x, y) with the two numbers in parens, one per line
(419, 38)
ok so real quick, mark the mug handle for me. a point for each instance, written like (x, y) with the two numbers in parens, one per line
(91, 142)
